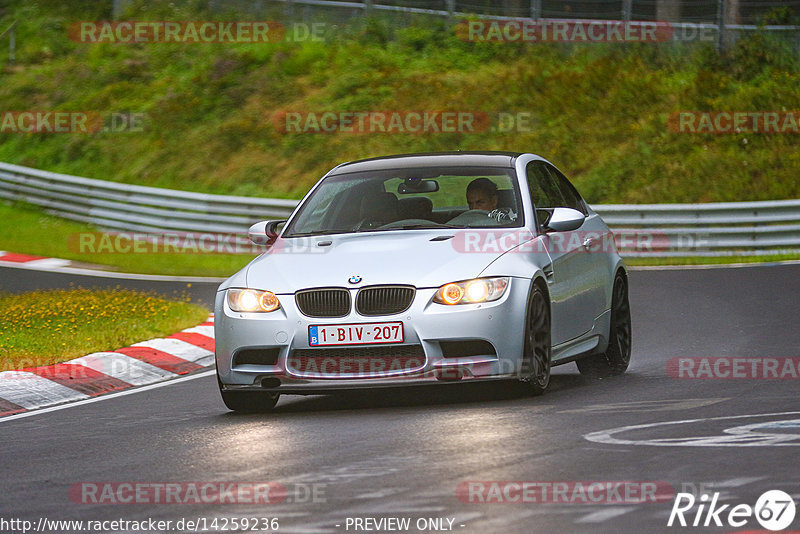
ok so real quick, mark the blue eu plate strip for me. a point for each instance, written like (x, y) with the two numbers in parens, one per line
(313, 336)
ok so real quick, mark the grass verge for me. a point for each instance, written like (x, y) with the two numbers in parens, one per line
(29, 231)
(46, 327)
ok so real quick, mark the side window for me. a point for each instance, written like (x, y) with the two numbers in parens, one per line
(545, 195)
(568, 192)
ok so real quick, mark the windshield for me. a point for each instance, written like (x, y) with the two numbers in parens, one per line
(407, 199)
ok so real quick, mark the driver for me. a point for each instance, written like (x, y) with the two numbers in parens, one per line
(482, 194)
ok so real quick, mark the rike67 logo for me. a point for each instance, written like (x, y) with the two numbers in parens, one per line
(774, 510)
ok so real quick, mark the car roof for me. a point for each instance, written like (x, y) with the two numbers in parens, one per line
(430, 159)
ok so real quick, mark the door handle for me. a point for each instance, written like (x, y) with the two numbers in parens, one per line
(587, 243)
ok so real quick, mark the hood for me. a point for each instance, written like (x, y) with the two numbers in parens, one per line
(422, 258)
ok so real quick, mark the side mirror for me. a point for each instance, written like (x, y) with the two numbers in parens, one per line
(264, 232)
(565, 220)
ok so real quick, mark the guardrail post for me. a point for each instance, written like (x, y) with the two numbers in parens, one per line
(668, 10)
(117, 7)
(627, 9)
(536, 9)
(720, 24)
(730, 17)
(451, 8)
(12, 41)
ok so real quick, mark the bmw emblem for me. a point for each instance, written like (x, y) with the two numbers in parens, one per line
(354, 279)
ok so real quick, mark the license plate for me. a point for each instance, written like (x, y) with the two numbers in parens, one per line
(355, 334)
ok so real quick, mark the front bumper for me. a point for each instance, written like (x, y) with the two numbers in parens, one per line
(432, 330)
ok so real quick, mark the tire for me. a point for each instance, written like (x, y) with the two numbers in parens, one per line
(617, 357)
(248, 401)
(536, 360)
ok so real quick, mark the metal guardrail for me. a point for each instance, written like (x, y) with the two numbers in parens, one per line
(724, 20)
(12, 41)
(713, 229)
(134, 207)
(659, 230)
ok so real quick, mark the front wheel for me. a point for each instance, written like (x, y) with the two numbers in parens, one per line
(536, 360)
(615, 360)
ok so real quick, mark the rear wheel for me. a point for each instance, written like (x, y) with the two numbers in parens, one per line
(615, 360)
(248, 401)
(536, 358)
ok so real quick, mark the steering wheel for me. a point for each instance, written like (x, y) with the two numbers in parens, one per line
(501, 214)
(469, 216)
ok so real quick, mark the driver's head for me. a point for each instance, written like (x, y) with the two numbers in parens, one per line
(482, 194)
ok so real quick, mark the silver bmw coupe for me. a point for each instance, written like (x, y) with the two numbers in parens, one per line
(424, 269)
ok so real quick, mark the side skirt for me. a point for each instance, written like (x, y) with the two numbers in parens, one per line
(592, 342)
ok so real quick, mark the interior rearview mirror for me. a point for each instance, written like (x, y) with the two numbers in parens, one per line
(412, 185)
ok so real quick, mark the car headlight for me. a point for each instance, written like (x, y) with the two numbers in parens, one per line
(252, 300)
(472, 291)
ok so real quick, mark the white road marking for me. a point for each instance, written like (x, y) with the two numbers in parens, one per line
(205, 361)
(604, 515)
(106, 397)
(176, 347)
(737, 482)
(32, 391)
(49, 263)
(648, 406)
(736, 440)
(123, 367)
(379, 494)
(202, 330)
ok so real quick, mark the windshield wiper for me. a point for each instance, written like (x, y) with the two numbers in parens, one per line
(419, 226)
(414, 226)
(310, 234)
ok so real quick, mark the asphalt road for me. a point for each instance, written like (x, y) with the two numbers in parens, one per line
(404, 453)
